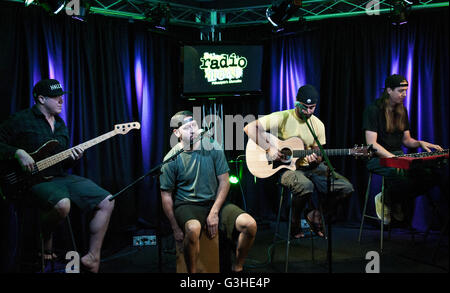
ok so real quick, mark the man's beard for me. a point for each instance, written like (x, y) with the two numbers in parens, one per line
(307, 116)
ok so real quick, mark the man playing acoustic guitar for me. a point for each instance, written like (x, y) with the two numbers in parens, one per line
(28, 130)
(310, 171)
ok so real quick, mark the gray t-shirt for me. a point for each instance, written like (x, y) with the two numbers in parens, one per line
(193, 175)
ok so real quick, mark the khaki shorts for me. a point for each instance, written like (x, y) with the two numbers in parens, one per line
(199, 211)
(303, 182)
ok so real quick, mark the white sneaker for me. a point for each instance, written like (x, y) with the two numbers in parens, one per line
(379, 209)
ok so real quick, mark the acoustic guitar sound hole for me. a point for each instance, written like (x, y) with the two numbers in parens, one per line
(287, 154)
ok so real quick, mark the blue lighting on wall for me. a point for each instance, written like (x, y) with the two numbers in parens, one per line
(144, 98)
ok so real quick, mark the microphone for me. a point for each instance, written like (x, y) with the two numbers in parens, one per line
(205, 129)
(202, 131)
(300, 105)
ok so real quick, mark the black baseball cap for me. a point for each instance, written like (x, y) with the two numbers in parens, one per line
(307, 94)
(394, 81)
(48, 88)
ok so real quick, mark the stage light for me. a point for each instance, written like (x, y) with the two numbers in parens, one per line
(280, 11)
(233, 179)
(57, 5)
(412, 2)
(53, 6)
(85, 6)
(400, 11)
(28, 2)
(158, 16)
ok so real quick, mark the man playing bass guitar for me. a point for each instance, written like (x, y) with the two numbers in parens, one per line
(25, 132)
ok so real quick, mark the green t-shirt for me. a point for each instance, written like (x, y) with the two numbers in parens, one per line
(193, 175)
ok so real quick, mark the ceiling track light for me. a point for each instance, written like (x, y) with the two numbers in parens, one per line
(281, 11)
(158, 16)
(400, 11)
(28, 2)
(53, 6)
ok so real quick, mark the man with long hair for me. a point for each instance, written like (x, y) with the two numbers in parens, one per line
(386, 127)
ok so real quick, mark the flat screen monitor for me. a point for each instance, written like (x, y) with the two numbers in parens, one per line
(210, 70)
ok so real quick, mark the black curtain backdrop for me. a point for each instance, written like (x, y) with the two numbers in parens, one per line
(118, 71)
(96, 62)
(347, 60)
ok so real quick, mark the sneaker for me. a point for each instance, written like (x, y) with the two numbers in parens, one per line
(379, 209)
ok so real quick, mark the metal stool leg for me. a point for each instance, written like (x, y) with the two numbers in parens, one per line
(69, 225)
(42, 253)
(364, 215)
(41, 236)
(382, 214)
(41, 242)
(312, 248)
(277, 225)
(288, 234)
(324, 224)
(441, 236)
(288, 239)
(278, 215)
(312, 236)
(365, 207)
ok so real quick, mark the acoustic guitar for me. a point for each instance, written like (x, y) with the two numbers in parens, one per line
(14, 182)
(260, 165)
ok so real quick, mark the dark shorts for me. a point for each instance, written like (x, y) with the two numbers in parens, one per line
(199, 211)
(81, 191)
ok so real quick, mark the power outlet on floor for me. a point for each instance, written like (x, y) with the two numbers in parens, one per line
(144, 240)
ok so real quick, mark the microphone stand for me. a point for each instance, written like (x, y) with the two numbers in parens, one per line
(156, 171)
(330, 173)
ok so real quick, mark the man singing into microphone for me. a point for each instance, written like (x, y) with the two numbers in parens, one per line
(199, 179)
(311, 171)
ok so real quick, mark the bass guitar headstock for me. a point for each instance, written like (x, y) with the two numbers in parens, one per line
(126, 127)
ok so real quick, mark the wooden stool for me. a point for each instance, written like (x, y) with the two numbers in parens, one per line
(208, 258)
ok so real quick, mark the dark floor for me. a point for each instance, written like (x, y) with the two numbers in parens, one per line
(401, 254)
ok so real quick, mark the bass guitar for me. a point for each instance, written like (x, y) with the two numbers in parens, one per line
(14, 182)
